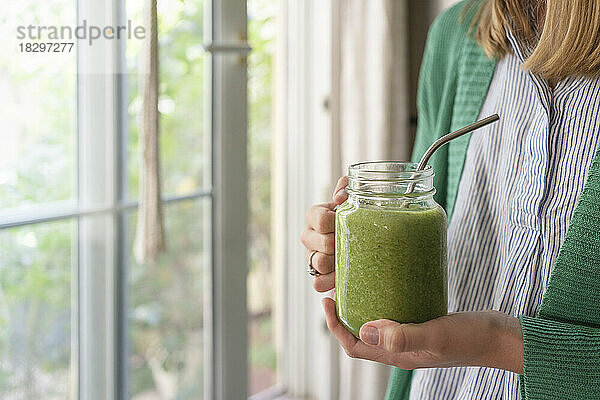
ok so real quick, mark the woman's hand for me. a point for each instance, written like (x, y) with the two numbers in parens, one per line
(483, 339)
(319, 236)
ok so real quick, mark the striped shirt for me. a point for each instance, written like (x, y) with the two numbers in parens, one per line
(520, 185)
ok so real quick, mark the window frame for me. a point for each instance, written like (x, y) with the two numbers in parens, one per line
(226, 32)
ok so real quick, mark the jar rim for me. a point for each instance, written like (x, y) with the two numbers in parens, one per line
(389, 171)
(390, 179)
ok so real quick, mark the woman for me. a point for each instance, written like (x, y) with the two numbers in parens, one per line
(523, 203)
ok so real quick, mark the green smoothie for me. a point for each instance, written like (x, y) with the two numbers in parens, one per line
(390, 263)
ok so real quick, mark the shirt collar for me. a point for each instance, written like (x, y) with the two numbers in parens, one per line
(515, 45)
(520, 52)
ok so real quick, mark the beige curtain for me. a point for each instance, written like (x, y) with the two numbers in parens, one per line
(374, 119)
(149, 238)
(373, 124)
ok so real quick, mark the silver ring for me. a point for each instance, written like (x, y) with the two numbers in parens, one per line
(309, 268)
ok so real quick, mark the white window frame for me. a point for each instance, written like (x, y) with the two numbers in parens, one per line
(227, 33)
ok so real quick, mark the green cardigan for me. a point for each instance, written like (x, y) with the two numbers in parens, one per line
(562, 343)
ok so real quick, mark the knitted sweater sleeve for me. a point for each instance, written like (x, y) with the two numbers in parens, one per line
(562, 361)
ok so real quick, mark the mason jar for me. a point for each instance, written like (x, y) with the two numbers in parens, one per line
(390, 246)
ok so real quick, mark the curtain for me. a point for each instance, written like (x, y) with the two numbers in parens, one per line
(374, 104)
(373, 124)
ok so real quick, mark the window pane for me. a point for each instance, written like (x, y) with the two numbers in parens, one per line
(37, 334)
(183, 145)
(37, 107)
(262, 354)
(166, 309)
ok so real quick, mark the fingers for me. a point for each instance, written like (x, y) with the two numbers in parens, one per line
(319, 236)
(353, 347)
(341, 183)
(339, 194)
(323, 243)
(325, 265)
(321, 218)
(320, 261)
(345, 338)
(323, 283)
(394, 337)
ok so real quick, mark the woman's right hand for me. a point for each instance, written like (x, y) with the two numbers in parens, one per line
(319, 236)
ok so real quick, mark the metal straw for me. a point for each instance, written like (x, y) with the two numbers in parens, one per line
(446, 138)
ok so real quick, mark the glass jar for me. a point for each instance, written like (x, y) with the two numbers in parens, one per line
(390, 246)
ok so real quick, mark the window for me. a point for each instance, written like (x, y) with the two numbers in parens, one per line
(79, 318)
(37, 330)
(38, 262)
(165, 317)
(165, 307)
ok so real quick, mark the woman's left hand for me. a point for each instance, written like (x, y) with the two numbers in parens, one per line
(483, 338)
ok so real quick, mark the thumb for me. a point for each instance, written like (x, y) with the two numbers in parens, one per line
(392, 336)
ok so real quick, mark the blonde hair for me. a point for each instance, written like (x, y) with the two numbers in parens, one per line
(568, 43)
